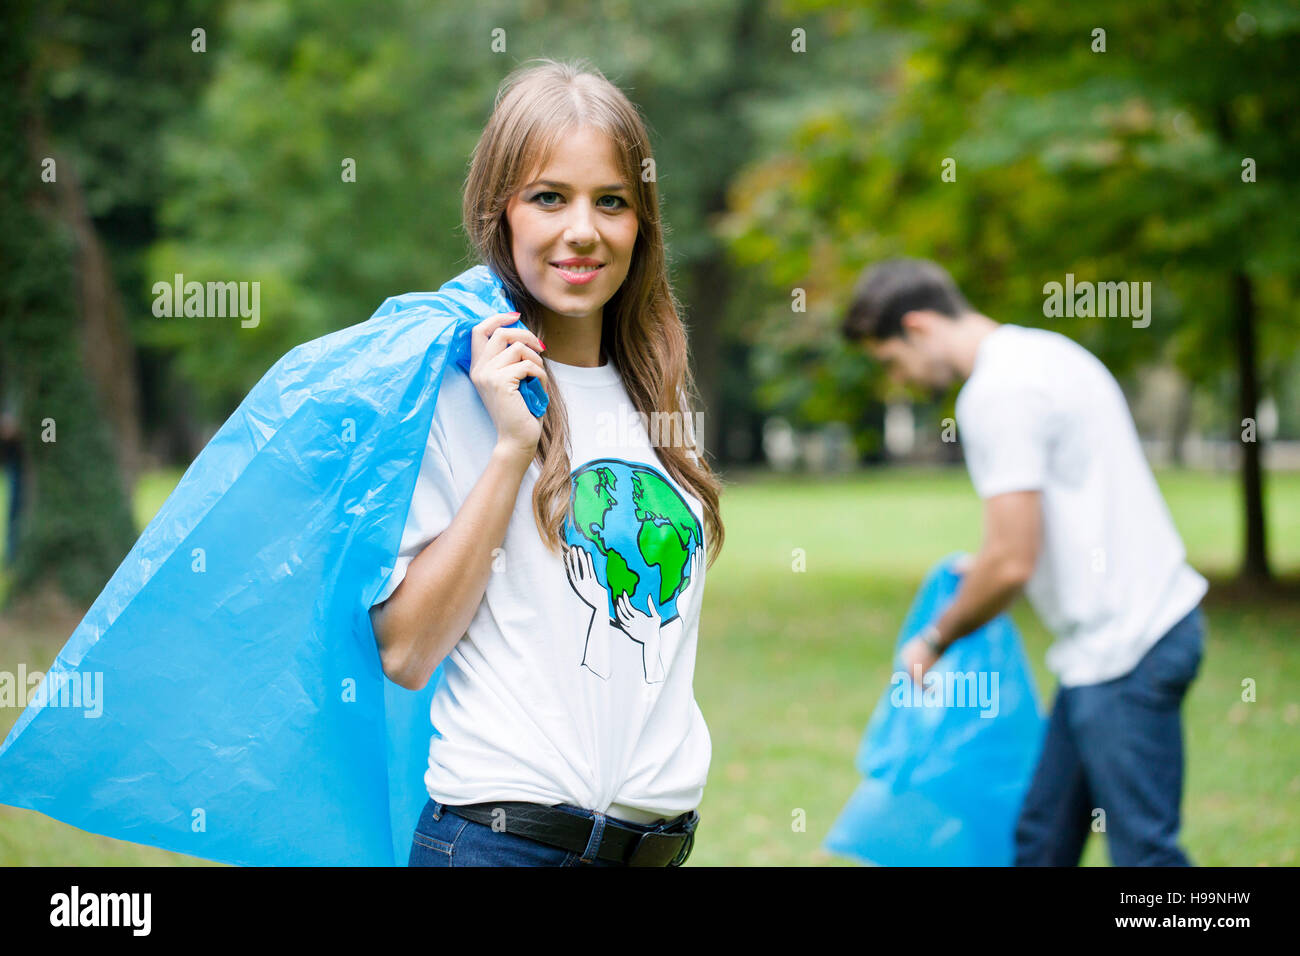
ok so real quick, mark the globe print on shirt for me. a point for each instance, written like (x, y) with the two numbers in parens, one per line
(632, 546)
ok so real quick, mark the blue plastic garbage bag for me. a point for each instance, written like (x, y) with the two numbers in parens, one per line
(946, 765)
(244, 715)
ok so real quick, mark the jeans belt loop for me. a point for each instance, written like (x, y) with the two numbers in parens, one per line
(597, 835)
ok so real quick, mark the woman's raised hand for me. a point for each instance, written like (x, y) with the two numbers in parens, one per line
(500, 359)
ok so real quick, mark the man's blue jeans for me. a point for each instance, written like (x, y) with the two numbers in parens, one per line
(1115, 747)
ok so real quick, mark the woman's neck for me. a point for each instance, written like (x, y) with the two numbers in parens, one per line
(572, 341)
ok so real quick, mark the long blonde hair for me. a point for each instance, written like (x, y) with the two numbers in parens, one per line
(641, 329)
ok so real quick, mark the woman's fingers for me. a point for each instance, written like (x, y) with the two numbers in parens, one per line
(484, 330)
(500, 359)
(491, 338)
(521, 370)
(509, 354)
(482, 333)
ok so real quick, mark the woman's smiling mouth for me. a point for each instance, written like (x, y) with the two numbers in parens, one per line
(578, 271)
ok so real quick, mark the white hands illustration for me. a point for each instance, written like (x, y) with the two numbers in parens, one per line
(644, 629)
(582, 576)
(639, 625)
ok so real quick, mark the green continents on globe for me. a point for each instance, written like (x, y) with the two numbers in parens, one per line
(631, 515)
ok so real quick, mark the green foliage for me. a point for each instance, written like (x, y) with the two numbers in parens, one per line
(1116, 165)
(107, 79)
(77, 525)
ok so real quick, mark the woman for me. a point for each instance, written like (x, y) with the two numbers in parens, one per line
(556, 566)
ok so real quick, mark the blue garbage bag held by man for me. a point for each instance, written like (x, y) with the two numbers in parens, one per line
(245, 716)
(946, 763)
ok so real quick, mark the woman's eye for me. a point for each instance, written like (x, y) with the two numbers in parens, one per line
(552, 198)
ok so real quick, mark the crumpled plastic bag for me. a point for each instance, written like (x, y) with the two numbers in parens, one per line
(245, 715)
(943, 783)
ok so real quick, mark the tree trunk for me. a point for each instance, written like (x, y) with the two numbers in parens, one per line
(76, 523)
(1254, 564)
(709, 288)
(107, 352)
(711, 276)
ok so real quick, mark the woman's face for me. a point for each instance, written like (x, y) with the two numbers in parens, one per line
(573, 228)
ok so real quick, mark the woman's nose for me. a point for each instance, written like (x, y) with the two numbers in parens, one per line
(581, 227)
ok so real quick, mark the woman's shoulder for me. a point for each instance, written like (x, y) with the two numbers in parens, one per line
(459, 414)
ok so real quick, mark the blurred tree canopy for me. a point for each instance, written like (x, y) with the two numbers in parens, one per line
(1117, 142)
(81, 90)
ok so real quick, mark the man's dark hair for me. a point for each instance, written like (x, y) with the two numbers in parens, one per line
(889, 290)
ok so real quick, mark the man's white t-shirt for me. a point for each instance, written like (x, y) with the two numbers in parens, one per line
(1040, 412)
(558, 693)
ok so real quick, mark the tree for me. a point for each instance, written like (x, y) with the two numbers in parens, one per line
(76, 525)
(85, 94)
(1112, 142)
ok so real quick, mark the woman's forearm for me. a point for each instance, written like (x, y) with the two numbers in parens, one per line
(431, 608)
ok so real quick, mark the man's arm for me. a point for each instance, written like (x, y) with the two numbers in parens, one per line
(1005, 562)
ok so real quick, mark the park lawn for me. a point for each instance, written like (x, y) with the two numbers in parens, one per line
(792, 662)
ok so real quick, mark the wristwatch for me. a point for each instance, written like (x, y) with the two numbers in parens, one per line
(930, 637)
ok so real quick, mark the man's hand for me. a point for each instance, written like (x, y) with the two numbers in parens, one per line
(917, 659)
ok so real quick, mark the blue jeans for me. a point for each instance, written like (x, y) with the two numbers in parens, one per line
(1115, 747)
(444, 839)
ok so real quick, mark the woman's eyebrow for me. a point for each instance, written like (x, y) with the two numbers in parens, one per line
(615, 187)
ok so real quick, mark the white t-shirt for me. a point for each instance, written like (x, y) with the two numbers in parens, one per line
(1040, 412)
(547, 700)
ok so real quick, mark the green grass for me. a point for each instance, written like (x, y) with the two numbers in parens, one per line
(791, 664)
(787, 681)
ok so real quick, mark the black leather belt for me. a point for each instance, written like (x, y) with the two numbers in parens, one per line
(664, 844)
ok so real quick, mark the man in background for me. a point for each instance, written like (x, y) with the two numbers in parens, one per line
(1073, 516)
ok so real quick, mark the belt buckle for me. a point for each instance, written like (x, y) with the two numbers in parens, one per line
(690, 823)
(653, 854)
(678, 858)
(685, 851)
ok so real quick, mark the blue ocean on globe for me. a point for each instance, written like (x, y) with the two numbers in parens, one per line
(638, 530)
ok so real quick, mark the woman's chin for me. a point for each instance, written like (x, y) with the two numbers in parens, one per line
(574, 306)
